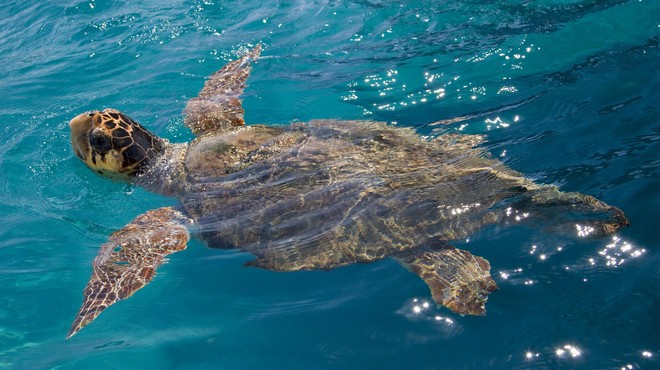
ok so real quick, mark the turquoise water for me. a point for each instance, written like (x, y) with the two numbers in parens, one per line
(566, 92)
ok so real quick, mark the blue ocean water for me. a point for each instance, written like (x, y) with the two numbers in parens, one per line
(566, 92)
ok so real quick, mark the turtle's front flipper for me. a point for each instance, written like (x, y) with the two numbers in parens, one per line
(218, 106)
(457, 279)
(129, 259)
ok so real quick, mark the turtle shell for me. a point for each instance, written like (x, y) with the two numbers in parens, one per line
(330, 193)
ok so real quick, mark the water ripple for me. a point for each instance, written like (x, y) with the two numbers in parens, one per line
(564, 91)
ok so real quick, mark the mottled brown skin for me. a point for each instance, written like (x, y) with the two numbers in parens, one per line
(218, 107)
(128, 260)
(441, 267)
(314, 195)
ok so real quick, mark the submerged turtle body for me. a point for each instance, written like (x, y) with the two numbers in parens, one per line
(328, 193)
(314, 195)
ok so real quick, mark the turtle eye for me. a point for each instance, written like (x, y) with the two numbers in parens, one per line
(100, 141)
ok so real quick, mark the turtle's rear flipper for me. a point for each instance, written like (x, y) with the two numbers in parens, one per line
(569, 211)
(129, 259)
(457, 279)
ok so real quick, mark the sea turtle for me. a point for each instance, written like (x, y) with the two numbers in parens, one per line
(314, 195)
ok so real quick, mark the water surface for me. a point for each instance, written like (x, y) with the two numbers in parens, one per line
(566, 92)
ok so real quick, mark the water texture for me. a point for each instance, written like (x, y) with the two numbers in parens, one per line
(565, 91)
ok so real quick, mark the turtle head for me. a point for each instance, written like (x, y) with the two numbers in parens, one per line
(111, 143)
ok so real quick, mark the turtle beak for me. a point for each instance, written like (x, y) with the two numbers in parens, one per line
(84, 119)
(81, 126)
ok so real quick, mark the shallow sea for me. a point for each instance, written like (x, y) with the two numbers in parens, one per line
(566, 92)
